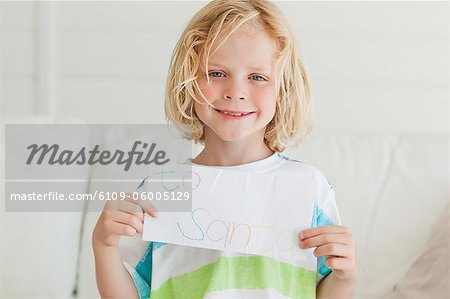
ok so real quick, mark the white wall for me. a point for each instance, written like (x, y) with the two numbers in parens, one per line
(375, 66)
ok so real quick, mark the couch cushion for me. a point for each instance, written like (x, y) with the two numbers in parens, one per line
(429, 276)
(390, 189)
(39, 250)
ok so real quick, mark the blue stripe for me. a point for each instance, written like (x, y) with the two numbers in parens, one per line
(141, 285)
(321, 219)
(157, 245)
(281, 156)
(142, 275)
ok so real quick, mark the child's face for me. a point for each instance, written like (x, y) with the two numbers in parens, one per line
(242, 78)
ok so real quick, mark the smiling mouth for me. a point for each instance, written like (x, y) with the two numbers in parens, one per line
(234, 113)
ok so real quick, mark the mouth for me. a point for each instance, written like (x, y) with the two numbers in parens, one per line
(234, 114)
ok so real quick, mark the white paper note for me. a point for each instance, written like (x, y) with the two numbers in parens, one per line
(246, 212)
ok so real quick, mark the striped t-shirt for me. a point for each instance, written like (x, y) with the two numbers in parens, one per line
(161, 270)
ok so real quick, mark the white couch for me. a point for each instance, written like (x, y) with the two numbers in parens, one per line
(390, 190)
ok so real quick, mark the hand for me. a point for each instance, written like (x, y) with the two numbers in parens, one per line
(121, 218)
(337, 244)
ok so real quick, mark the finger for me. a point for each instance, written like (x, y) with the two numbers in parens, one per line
(327, 229)
(333, 249)
(146, 205)
(121, 229)
(338, 263)
(128, 219)
(132, 208)
(139, 215)
(126, 206)
(325, 239)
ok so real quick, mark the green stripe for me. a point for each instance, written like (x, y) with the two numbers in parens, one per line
(241, 272)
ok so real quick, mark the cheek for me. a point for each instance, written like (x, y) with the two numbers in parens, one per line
(200, 110)
(208, 90)
(266, 99)
(209, 93)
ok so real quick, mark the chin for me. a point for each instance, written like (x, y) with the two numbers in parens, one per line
(230, 136)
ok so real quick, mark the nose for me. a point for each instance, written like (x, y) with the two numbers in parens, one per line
(228, 97)
(235, 91)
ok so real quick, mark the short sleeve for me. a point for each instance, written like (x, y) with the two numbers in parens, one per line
(325, 213)
(136, 256)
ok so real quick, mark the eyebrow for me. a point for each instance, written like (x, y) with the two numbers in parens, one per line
(255, 68)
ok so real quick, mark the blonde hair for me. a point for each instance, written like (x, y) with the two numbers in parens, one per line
(293, 113)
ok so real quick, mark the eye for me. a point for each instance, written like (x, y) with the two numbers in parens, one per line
(258, 78)
(216, 74)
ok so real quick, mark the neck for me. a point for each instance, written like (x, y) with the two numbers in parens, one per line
(219, 152)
